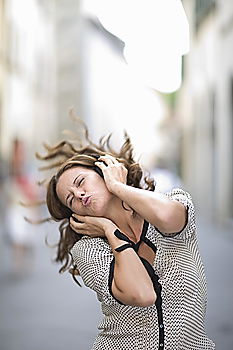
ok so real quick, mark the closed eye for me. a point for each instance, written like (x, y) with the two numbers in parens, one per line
(78, 184)
(71, 201)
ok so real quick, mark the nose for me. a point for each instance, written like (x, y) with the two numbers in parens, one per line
(78, 193)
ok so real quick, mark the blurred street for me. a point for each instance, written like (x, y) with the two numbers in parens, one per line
(167, 83)
(43, 310)
(216, 246)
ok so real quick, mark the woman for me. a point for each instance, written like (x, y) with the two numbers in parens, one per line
(135, 248)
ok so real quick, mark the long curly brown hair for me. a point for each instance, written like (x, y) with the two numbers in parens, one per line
(66, 155)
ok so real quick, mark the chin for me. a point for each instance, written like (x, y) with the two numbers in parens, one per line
(99, 212)
(100, 207)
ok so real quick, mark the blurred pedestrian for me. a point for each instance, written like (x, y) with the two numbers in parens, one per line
(21, 190)
(3, 200)
(136, 248)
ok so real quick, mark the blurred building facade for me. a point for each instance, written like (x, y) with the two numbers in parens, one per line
(68, 60)
(205, 107)
(28, 79)
(56, 57)
(2, 56)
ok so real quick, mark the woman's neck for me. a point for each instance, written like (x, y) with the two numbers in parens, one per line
(128, 222)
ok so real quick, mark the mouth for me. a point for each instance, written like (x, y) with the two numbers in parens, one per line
(86, 201)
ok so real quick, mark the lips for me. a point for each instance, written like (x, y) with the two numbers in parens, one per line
(86, 201)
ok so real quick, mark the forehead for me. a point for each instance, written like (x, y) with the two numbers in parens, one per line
(72, 173)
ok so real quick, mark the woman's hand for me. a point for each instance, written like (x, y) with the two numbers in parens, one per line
(114, 172)
(91, 226)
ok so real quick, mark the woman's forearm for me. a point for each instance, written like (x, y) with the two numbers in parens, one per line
(168, 216)
(131, 283)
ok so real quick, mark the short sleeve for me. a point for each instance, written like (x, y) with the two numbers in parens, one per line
(186, 199)
(93, 257)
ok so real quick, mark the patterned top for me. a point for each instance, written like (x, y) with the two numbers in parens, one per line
(181, 275)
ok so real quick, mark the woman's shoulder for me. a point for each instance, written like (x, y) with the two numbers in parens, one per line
(93, 243)
(189, 229)
(178, 192)
(93, 251)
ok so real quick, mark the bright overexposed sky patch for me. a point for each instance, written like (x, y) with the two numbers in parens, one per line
(156, 35)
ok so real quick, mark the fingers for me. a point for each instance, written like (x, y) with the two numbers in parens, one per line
(80, 223)
(78, 226)
(78, 218)
(108, 159)
(101, 165)
(88, 225)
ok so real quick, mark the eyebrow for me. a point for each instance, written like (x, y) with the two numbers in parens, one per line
(67, 197)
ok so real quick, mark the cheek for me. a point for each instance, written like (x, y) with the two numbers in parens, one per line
(77, 209)
(102, 201)
(60, 194)
(97, 206)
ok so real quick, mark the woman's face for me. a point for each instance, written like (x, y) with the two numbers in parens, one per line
(84, 192)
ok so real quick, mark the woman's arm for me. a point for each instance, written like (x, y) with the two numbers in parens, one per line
(131, 283)
(167, 215)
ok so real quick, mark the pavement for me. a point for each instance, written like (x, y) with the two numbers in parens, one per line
(42, 309)
(216, 247)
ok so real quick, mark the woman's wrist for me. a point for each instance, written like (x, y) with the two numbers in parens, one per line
(117, 240)
(109, 227)
(115, 187)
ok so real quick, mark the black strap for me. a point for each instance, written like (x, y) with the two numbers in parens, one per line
(122, 237)
(158, 289)
(154, 277)
(123, 247)
(150, 244)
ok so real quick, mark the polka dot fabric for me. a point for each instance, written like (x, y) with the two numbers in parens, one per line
(181, 274)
